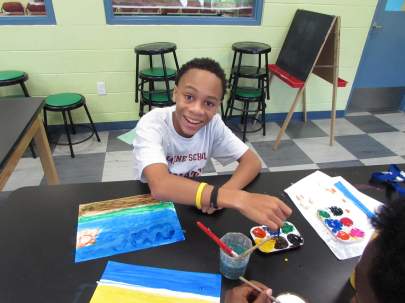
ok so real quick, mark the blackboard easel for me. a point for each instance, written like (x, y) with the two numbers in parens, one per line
(311, 46)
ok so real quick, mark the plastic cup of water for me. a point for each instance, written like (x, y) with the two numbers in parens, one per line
(234, 267)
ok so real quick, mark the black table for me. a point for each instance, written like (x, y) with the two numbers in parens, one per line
(38, 232)
(19, 124)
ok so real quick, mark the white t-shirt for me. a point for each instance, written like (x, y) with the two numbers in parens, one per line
(156, 141)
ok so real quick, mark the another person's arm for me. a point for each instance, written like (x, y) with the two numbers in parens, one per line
(245, 294)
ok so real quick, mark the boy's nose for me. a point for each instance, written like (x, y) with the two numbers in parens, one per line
(197, 107)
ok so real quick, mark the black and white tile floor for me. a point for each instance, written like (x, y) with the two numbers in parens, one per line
(360, 139)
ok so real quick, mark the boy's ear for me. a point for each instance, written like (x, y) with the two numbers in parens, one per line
(174, 94)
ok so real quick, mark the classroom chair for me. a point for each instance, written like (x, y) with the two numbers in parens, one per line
(257, 74)
(14, 77)
(36, 9)
(65, 103)
(149, 81)
(12, 8)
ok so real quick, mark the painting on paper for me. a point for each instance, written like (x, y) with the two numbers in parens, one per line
(124, 225)
(126, 283)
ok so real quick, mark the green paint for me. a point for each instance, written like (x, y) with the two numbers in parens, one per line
(323, 214)
(128, 211)
(287, 228)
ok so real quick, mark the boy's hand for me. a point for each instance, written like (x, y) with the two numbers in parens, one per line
(245, 294)
(264, 209)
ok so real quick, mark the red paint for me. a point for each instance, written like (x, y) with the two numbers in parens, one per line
(346, 221)
(342, 235)
(258, 232)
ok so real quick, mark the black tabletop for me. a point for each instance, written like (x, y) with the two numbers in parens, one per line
(38, 233)
(16, 115)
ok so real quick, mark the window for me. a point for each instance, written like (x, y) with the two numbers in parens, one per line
(237, 12)
(26, 12)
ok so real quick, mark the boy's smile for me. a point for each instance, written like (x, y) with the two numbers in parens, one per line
(197, 96)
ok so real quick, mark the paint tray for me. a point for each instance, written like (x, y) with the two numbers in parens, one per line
(288, 238)
(340, 224)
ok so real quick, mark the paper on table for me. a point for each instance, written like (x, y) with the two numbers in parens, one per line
(315, 191)
(128, 137)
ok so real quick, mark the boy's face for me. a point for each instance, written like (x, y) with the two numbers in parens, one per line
(197, 95)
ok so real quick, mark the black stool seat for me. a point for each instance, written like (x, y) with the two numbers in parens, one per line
(65, 102)
(155, 48)
(149, 81)
(248, 47)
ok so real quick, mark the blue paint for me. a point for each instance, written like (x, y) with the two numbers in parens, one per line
(339, 185)
(176, 280)
(334, 225)
(127, 233)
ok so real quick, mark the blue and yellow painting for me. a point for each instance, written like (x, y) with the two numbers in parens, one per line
(395, 5)
(126, 283)
(124, 225)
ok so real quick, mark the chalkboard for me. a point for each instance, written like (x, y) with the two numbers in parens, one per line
(305, 37)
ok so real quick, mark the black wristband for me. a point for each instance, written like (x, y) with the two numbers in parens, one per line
(214, 197)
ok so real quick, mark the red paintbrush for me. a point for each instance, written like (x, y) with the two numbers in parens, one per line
(217, 240)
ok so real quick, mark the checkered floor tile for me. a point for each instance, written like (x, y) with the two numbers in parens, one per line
(360, 139)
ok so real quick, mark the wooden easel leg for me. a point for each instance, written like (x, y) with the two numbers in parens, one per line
(45, 154)
(288, 118)
(304, 105)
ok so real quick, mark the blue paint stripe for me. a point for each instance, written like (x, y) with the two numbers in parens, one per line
(183, 281)
(339, 185)
(127, 233)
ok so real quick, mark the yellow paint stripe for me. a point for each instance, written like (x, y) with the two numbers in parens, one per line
(108, 294)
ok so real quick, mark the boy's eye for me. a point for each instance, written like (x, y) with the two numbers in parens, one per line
(209, 103)
(188, 97)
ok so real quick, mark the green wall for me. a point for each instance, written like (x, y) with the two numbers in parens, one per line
(82, 49)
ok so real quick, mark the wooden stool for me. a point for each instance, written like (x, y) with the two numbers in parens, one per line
(153, 75)
(66, 102)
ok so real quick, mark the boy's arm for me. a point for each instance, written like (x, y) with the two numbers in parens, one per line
(263, 209)
(248, 168)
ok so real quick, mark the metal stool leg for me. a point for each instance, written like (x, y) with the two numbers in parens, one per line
(71, 122)
(91, 121)
(72, 154)
(24, 88)
(245, 118)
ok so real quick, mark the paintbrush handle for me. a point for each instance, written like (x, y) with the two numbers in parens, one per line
(253, 248)
(257, 288)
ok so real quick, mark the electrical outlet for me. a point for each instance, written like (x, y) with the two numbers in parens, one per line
(101, 88)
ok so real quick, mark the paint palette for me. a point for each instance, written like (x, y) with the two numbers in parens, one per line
(342, 227)
(288, 238)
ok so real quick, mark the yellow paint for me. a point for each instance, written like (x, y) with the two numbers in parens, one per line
(108, 294)
(266, 247)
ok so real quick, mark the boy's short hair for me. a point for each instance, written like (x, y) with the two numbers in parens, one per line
(206, 64)
(387, 270)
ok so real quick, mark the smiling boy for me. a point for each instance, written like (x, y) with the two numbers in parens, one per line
(173, 144)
